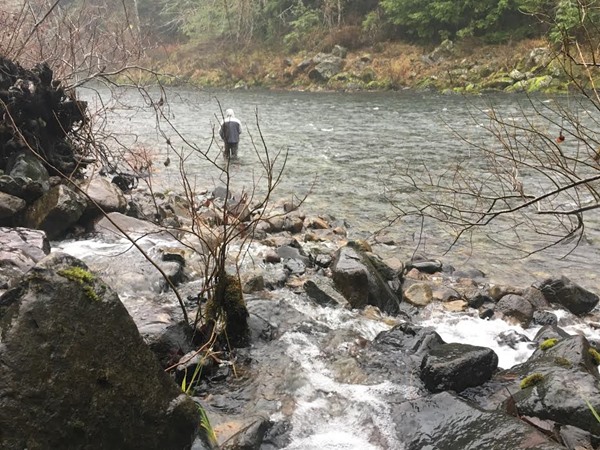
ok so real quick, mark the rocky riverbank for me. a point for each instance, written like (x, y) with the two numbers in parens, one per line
(312, 257)
(461, 67)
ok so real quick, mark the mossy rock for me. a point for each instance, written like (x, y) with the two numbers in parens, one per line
(228, 304)
(498, 83)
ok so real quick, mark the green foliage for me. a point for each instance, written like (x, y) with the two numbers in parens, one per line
(565, 20)
(187, 387)
(207, 427)
(595, 355)
(548, 343)
(84, 278)
(442, 19)
(531, 380)
(305, 23)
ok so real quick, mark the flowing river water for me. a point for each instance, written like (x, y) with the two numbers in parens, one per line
(345, 150)
(341, 148)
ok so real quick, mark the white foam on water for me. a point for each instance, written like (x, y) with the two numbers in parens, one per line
(338, 416)
(465, 329)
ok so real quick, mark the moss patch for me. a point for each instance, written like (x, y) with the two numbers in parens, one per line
(548, 344)
(531, 380)
(595, 355)
(82, 277)
(228, 304)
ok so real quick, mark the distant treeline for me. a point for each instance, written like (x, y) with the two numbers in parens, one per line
(296, 24)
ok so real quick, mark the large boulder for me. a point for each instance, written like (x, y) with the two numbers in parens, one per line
(76, 373)
(564, 292)
(327, 66)
(515, 307)
(103, 194)
(56, 211)
(457, 367)
(361, 283)
(443, 421)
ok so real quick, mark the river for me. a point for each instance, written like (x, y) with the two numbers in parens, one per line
(343, 148)
(346, 150)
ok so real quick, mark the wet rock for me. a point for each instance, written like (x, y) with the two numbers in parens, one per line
(535, 297)
(293, 223)
(550, 332)
(271, 257)
(511, 338)
(250, 433)
(544, 318)
(424, 265)
(260, 329)
(288, 252)
(26, 178)
(564, 292)
(574, 349)
(116, 224)
(277, 436)
(456, 305)
(515, 307)
(359, 281)
(445, 293)
(474, 274)
(54, 212)
(317, 223)
(321, 290)
(10, 206)
(575, 438)
(252, 282)
(20, 250)
(396, 355)
(169, 343)
(443, 421)
(294, 266)
(478, 298)
(275, 277)
(457, 366)
(104, 194)
(419, 294)
(75, 365)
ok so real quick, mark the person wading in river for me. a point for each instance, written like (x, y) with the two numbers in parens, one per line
(230, 131)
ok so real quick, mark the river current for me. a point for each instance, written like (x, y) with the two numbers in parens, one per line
(345, 150)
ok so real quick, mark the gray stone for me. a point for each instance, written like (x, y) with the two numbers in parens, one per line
(327, 67)
(456, 367)
(321, 290)
(77, 374)
(564, 292)
(55, 211)
(20, 250)
(443, 421)
(10, 205)
(360, 283)
(104, 194)
(516, 307)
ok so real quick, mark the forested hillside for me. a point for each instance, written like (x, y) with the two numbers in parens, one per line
(298, 23)
(384, 44)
